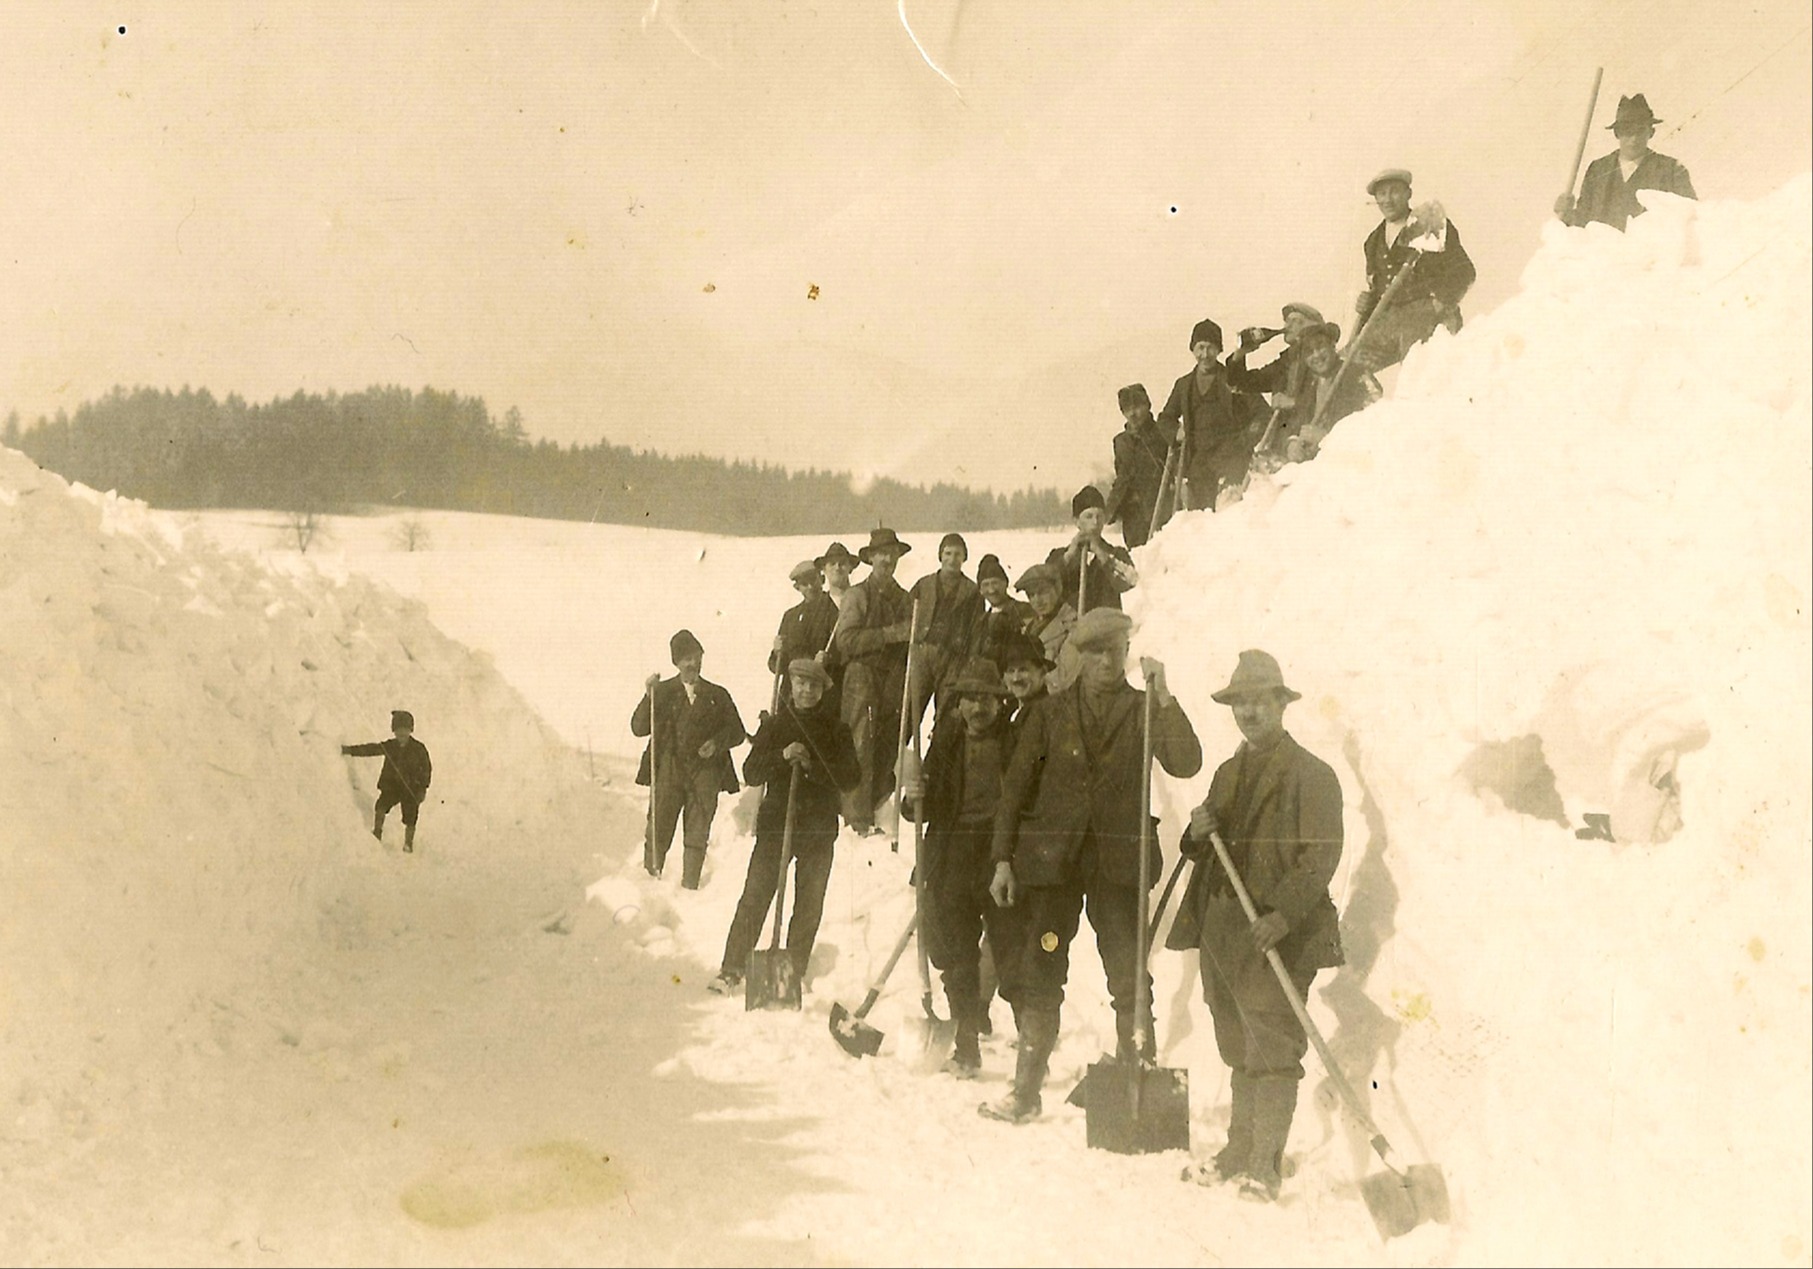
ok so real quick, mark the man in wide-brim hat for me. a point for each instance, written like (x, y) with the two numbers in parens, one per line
(1277, 807)
(1608, 192)
(871, 644)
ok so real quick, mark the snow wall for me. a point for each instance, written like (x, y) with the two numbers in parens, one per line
(177, 825)
(1584, 520)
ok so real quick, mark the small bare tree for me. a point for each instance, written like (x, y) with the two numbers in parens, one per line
(302, 528)
(411, 534)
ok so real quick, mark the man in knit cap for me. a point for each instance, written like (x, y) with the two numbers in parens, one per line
(1068, 836)
(1277, 808)
(1051, 622)
(1438, 275)
(1025, 669)
(687, 760)
(871, 644)
(1608, 194)
(1002, 615)
(949, 608)
(1108, 570)
(1212, 422)
(1141, 451)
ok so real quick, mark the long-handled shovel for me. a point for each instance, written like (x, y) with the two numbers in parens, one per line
(939, 1032)
(907, 723)
(771, 982)
(1166, 480)
(1400, 1198)
(654, 757)
(853, 1035)
(1133, 1106)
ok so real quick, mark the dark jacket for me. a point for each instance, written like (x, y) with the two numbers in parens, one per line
(1068, 781)
(995, 625)
(1283, 829)
(948, 620)
(682, 728)
(1140, 450)
(1105, 586)
(830, 769)
(805, 631)
(1352, 392)
(407, 768)
(1439, 276)
(1606, 197)
(941, 774)
(1214, 427)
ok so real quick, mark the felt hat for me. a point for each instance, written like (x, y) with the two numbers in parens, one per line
(837, 552)
(882, 539)
(1099, 626)
(1086, 497)
(1309, 311)
(803, 571)
(1205, 330)
(1321, 330)
(1256, 674)
(402, 718)
(953, 539)
(989, 567)
(684, 645)
(979, 677)
(809, 668)
(1634, 112)
(1040, 574)
(1133, 394)
(1023, 649)
(1389, 174)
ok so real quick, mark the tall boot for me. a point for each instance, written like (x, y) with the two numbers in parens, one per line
(408, 838)
(966, 1057)
(1038, 1035)
(1274, 1106)
(1232, 1158)
(693, 869)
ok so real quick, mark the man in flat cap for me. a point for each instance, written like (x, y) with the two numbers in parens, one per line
(950, 611)
(1324, 396)
(1436, 276)
(805, 736)
(1282, 374)
(1003, 616)
(1094, 571)
(1051, 622)
(1277, 808)
(871, 643)
(1212, 423)
(1068, 836)
(806, 627)
(1142, 451)
(1608, 194)
(686, 763)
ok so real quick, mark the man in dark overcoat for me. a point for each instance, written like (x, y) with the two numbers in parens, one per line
(1277, 808)
(696, 725)
(1608, 194)
(1141, 450)
(806, 627)
(871, 645)
(805, 736)
(1068, 835)
(1213, 423)
(1003, 616)
(1431, 293)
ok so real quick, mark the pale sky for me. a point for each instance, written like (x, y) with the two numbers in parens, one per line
(610, 214)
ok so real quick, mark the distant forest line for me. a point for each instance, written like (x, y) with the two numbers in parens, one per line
(391, 446)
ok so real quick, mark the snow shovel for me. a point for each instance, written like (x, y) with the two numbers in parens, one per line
(1400, 1198)
(853, 1035)
(1134, 1107)
(939, 1033)
(771, 982)
(648, 836)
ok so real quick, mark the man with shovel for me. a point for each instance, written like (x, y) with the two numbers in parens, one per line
(1068, 836)
(873, 630)
(1435, 278)
(692, 725)
(805, 735)
(1277, 808)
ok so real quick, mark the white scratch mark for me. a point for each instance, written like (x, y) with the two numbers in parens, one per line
(654, 11)
(927, 57)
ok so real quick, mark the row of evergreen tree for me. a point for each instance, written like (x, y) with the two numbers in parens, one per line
(390, 446)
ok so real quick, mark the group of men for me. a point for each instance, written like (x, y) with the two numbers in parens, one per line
(1031, 789)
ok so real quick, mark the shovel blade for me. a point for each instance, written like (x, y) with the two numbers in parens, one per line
(770, 982)
(853, 1035)
(1136, 1109)
(1399, 1202)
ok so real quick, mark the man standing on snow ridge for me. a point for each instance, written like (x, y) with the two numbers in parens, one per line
(1431, 293)
(403, 781)
(871, 643)
(1278, 810)
(695, 725)
(1211, 421)
(1089, 561)
(1609, 192)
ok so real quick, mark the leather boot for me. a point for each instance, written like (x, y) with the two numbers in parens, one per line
(1038, 1035)
(1232, 1158)
(1274, 1106)
(692, 869)
(408, 838)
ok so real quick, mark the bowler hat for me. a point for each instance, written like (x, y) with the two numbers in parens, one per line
(1205, 330)
(988, 567)
(979, 677)
(1040, 574)
(1023, 649)
(809, 668)
(684, 645)
(882, 539)
(1099, 626)
(838, 553)
(1633, 112)
(1256, 675)
(1086, 497)
(402, 718)
(1389, 174)
(803, 570)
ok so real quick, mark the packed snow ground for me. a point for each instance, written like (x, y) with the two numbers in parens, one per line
(250, 1034)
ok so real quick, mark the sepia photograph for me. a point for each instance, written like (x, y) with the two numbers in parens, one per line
(906, 632)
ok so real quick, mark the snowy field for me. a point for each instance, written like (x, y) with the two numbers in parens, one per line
(239, 1031)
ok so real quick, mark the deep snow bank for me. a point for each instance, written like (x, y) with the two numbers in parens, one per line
(1584, 519)
(175, 817)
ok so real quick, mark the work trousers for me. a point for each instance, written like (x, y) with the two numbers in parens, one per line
(1256, 1029)
(962, 913)
(813, 850)
(693, 794)
(1051, 915)
(871, 709)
